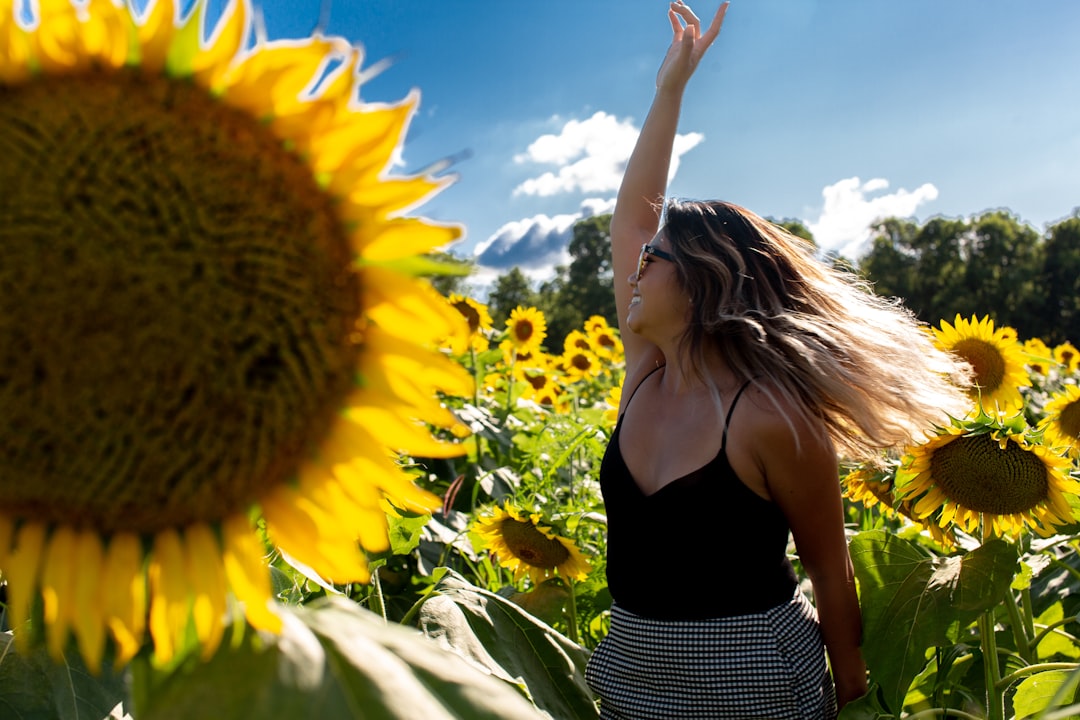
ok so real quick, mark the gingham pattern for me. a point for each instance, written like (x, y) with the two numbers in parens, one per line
(765, 665)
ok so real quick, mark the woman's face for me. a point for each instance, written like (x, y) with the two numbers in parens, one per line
(658, 305)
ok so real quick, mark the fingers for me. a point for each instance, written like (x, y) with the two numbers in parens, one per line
(717, 21)
(680, 13)
(681, 9)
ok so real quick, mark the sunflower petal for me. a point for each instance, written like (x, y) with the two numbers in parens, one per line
(124, 586)
(248, 575)
(88, 598)
(170, 605)
(206, 577)
(57, 588)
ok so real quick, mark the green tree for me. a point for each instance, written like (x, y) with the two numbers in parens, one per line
(511, 290)
(1060, 282)
(986, 266)
(585, 288)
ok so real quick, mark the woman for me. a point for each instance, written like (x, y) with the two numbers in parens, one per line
(750, 366)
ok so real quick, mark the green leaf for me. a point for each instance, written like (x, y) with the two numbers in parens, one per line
(912, 602)
(502, 638)
(1040, 692)
(405, 531)
(334, 659)
(868, 707)
(33, 687)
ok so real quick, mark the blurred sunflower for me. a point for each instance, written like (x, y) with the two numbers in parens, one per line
(990, 470)
(514, 356)
(577, 340)
(614, 397)
(1061, 424)
(552, 397)
(479, 320)
(527, 547)
(208, 319)
(526, 329)
(1038, 356)
(596, 323)
(1068, 356)
(580, 364)
(537, 378)
(995, 358)
(606, 342)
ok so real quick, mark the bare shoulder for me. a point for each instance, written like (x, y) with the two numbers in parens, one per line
(787, 444)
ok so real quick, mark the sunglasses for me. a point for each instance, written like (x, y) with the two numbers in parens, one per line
(646, 256)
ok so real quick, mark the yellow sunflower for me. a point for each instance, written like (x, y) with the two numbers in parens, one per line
(1061, 424)
(874, 487)
(1038, 356)
(989, 470)
(206, 319)
(479, 321)
(526, 546)
(515, 357)
(995, 357)
(580, 364)
(1068, 356)
(611, 412)
(577, 340)
(596, 323)
(526, 329)
(552, 397)
(606, 342)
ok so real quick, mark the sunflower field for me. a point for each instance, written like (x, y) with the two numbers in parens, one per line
(253, 465)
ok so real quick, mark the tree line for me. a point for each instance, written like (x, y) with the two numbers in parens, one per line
(993, 264)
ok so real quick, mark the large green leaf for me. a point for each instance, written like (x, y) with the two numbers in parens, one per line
(912, 602)
(334, 660)
(33, 687)
(502, 638)
(1045, 691)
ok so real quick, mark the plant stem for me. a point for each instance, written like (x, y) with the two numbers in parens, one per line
(571, 612)
(378, 594)
(995, 698)
(1019, 629)
(1037, 668)
(995, 701)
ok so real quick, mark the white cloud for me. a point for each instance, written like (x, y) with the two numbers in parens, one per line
(591, 155)
(530, 243)
(537, 244)
(846, 218)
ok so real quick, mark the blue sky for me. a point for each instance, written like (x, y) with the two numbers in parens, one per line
(829, 111)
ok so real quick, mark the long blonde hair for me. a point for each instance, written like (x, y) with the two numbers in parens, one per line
(814, 334)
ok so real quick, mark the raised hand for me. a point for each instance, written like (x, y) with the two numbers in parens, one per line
(688, 44)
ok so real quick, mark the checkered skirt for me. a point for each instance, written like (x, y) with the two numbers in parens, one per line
(765, 665)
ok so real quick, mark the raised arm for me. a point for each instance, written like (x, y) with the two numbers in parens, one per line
(644, 182)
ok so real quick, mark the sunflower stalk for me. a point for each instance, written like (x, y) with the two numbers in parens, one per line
(1019, 629)
(995, 700)
(995, 697)
(571, 612)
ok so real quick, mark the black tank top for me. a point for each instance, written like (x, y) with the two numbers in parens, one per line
(702, 546)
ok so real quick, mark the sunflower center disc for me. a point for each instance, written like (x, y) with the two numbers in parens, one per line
(531, 546)
(177, 313)
(977, 474)
(986, 362)
(1069, 421)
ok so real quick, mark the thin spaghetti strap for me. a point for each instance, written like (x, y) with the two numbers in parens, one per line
(658, 367)
(727, 420)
